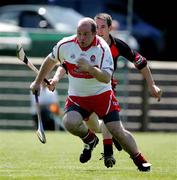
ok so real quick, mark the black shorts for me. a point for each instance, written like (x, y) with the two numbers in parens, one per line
(84, 113)
(112, 116)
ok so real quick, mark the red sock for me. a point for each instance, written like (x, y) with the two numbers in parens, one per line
(107, 141)
(139, 159)
(89, 137)
(108, 149)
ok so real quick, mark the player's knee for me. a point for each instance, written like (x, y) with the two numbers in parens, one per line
(72, 120)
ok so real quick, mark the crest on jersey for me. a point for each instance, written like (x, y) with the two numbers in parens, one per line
(83, 54)
(72, 56)
(92, 58)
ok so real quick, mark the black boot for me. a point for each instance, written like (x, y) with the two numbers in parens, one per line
(109, 160)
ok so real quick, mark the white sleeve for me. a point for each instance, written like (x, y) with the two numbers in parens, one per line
(108, 63)
(56, 54)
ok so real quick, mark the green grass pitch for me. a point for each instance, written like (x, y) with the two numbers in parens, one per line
(23, 157)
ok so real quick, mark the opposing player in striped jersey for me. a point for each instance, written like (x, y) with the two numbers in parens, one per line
(120, 48)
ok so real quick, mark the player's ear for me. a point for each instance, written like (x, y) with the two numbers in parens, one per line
(110, 28)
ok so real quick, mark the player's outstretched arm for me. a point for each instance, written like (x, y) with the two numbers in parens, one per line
(154, 90)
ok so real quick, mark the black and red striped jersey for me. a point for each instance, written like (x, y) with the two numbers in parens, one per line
(120, 48)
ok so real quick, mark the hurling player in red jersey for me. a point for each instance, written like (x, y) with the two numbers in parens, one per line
(90, 89)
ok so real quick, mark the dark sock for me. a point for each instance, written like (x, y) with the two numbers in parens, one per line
(117, 145)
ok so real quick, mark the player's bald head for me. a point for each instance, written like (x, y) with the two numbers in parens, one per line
(87, 22)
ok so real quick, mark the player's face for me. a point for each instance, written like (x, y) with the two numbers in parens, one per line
(102, 29)
(84, 35)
